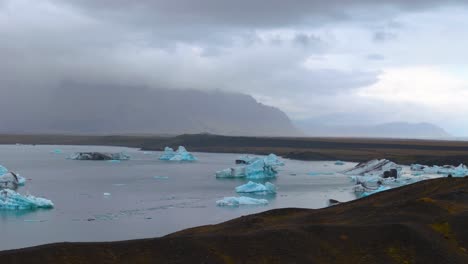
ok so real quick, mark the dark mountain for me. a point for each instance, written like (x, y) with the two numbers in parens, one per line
(112, 109)
(387, 130)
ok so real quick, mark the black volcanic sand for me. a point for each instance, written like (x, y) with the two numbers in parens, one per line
(402, 151)
(426, 222)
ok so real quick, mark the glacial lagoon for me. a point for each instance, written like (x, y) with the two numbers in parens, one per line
(145, 197)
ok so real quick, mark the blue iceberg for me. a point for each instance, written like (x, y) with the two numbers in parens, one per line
(180, 155)
(11, 200)
(258, 168)
(252, 187)
(238, 201)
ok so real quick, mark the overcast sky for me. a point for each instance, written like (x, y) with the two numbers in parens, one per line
(392, 61)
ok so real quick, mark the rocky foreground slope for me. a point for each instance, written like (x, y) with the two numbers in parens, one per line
(421, 223)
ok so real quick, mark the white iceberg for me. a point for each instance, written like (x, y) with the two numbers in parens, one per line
(374, 167)
(11, 200)
(252, 187)
(459, 171)
(258, 168)
(180, 155)
(242, 200)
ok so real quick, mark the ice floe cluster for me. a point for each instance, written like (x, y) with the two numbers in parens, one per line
(458, 171)
(12, 200)
(380, 175)
(180, 155)
(252, 168)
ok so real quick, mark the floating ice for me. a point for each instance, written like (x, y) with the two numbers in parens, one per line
(161, 177)
(245, 159)
(339, 162)
(252, 187)
(374, 167)
(180, 155)
(459, 171)
(56, 151)
(106, 194)
(11, 200)
(99, 156)
(11, 180)
(242, 200)
(3, 170)
(363, 192)
(258, 168)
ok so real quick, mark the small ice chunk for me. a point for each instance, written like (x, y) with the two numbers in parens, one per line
(252, 187)
(11, 200)
(362, 192)
(161, 177)
(339, 162)
(56, 151)
(242, 200)
(106, 194)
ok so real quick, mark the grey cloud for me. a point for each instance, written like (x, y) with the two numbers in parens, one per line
(383, 36)
(375, 57)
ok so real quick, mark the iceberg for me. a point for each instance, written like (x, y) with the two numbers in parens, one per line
(459, 171)
(238, 201)
(99, 156)
(374, 167)
(180, 155)
(252, 187)
(245, 159)
(258, 168)
(11, 200)
(11, 180)
(3, 170)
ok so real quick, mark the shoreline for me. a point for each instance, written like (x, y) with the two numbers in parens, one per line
(401, 151)
(382, 228)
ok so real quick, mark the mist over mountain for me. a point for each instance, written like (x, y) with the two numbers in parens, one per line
(75, 107)
(384, 130)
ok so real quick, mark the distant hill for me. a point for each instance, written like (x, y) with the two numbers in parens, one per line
(109, 109)
(387, 130)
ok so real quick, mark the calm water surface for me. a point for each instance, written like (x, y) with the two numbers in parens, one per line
(147, 198)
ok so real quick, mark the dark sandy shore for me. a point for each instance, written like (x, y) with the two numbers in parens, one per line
(429, 152)
(421, 223)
